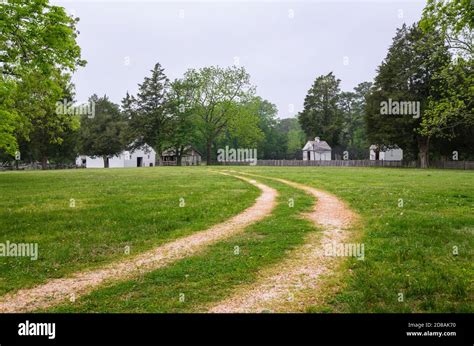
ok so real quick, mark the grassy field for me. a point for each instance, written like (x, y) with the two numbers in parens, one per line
(418, 228)
(209, 277)
(112, 210)
(410, 246)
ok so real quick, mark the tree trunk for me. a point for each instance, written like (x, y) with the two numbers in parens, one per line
(106, 161)
(209, 150)
(423, 151)
(44, 162)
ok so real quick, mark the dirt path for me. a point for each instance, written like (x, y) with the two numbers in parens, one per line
(57, 290)
(280, 287)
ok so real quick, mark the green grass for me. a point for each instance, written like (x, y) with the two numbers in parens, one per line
(408, 249)
(115, 208)
(212, 275)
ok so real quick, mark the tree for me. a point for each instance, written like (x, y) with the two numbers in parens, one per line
(37, 47)
(37, 36)
(244, 129)
(182, 132)
(321, 115)
(218, 94)
(352, 106)
(450, 116)
(104, 134)
(406, 75)
(295, 139)
(454, 20)
(453, 110)
(36, 99)
(273, 144)
(9, 118)
(148, 113)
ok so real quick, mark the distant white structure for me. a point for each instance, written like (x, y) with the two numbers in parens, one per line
(142, 157)
(316, 150)
(395, 154)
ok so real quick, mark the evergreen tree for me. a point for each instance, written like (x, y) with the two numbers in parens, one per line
(321, 115)
(406, 75)
(148, 113)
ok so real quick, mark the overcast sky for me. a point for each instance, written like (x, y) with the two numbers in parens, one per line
(283, 45)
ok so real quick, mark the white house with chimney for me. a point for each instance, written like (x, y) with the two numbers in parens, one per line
(317, 150)
(141, 157)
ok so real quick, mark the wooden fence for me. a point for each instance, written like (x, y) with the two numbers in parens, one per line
(355, 163)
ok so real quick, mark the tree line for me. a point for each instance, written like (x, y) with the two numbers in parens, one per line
(429, 62)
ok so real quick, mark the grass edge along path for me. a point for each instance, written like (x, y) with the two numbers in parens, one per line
(57, 290)
(85, 219)
(298, 281)
(195, 283)
(418, 254)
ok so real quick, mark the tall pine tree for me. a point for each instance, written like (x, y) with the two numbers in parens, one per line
(321, 115)
(148, 113)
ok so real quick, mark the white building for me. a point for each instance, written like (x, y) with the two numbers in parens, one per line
(142, 157)
(316, 150)
(394, 154)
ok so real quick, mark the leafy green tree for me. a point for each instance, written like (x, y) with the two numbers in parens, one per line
(295, 142)
(37, 48)
(37, 36)
(244, 128)
(453, 110)
(450, 115)
(353, 134)
(36, 99)
(181, 129)
(454, 20)
(273, 144)
(321, 115)
(9, 118)
(103, 135)
(218, 96)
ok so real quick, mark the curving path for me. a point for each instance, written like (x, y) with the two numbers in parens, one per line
(277, 286)
(56, 291)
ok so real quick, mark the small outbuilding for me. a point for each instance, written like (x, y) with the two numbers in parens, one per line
(190, 157)
(317, 150)
(393, 154)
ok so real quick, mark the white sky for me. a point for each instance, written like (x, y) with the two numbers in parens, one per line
(284, 45)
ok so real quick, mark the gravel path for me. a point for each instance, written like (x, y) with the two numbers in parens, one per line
(56, 291)
(302, 270)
